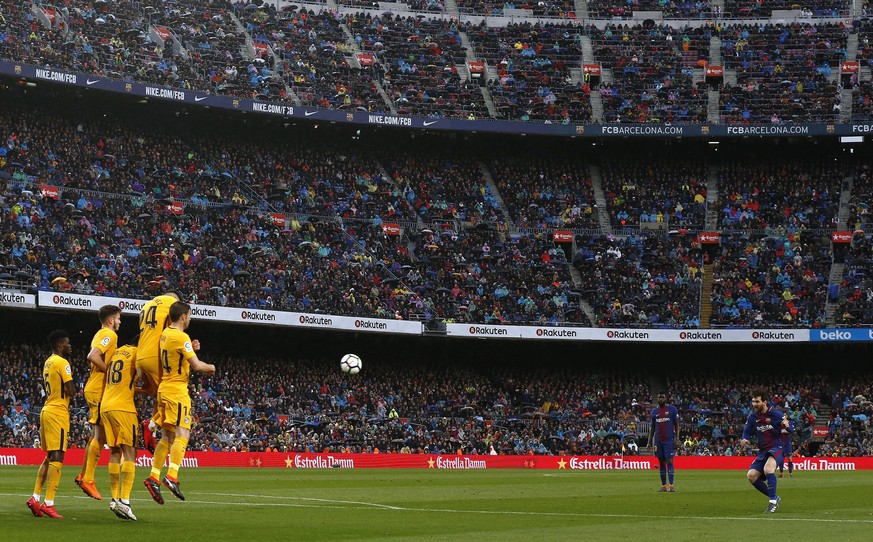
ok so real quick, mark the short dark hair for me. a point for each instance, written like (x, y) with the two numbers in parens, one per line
(760, 392)
(107, 311)
(55, 338)
(176, 293)
(177, 309)
(662, 392)
(134, 341)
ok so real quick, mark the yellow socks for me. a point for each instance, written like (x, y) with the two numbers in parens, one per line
(40, 480)
(177, 454)
(114, 479)
(54, 478)
(161, 451)
(128, 472)
(92, 456)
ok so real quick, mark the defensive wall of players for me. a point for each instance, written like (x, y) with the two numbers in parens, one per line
(30, 456)
(90, 303)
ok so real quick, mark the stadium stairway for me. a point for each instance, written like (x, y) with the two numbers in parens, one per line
(489, 180)
(712, 97)
(712, 199)
(452, 9)
(852, 47)
(832, 306)
(715, 51)
(845, 198)
(350, 39)
(705, 299)
(248, 53)
(600, 199)
(588, 58)
(468, 52)
(581, 9)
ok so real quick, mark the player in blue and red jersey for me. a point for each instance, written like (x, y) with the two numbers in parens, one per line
(664, 434)
(787, 448)
(768, 423)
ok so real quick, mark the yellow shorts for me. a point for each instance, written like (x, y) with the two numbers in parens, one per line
(93, 400)
(54, 427)
(175, 411)
(122, 428)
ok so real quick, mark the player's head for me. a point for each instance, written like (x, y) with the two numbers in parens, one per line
(59, 342)
(134, 341)
(175, 293)
(662, 398)
(180, 314)
(110, 316)
(759, 400)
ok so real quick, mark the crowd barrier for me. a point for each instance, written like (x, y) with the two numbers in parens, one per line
(285, 460)
(91, 303)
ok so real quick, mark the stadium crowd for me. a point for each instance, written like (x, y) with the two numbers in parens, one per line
(413, 64)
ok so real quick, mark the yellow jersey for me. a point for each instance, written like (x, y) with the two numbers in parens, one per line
(106, 341)
(176, 350)
(120, 381)
(55, 373)
(153, 319)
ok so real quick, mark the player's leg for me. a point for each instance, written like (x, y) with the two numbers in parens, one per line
(128, 473)
(85, 480)
(670, 474)
(114, 475)
(180, 445)
(756, 479)
(41, 475)
(662, 466)
(56, 460)
(774, 459)
(162, 450)
(55, 426)
(790, 466)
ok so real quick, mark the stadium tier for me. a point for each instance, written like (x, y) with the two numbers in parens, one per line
(460, 233)
(258, 404)
(791, 68)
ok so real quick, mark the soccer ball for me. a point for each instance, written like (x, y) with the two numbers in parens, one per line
(350, 364)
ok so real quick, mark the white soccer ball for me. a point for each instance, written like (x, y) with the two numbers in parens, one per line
(350, 364)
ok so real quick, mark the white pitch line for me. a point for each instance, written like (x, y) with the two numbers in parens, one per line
(484, 512)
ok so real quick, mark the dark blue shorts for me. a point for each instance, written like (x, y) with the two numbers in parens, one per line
(665, 450)
(776, 453)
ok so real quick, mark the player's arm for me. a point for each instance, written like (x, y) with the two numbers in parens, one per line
(95, 356)
(747, 430)
(67, 379)
(201, 367)
(652, 432)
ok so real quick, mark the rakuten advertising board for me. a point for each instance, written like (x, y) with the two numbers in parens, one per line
(33, 457)
(624, 335)
(71, 301)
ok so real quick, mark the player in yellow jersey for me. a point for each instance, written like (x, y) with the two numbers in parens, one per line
(54, 423)
(102, 347)
(153, 319)
(178, 359)
(122, 428)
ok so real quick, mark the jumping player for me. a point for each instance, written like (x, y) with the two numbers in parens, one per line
(768, 423)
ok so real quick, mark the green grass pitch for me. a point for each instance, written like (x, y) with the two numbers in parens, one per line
(423, 505)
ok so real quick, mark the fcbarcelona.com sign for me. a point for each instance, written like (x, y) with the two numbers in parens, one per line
(284, 460)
